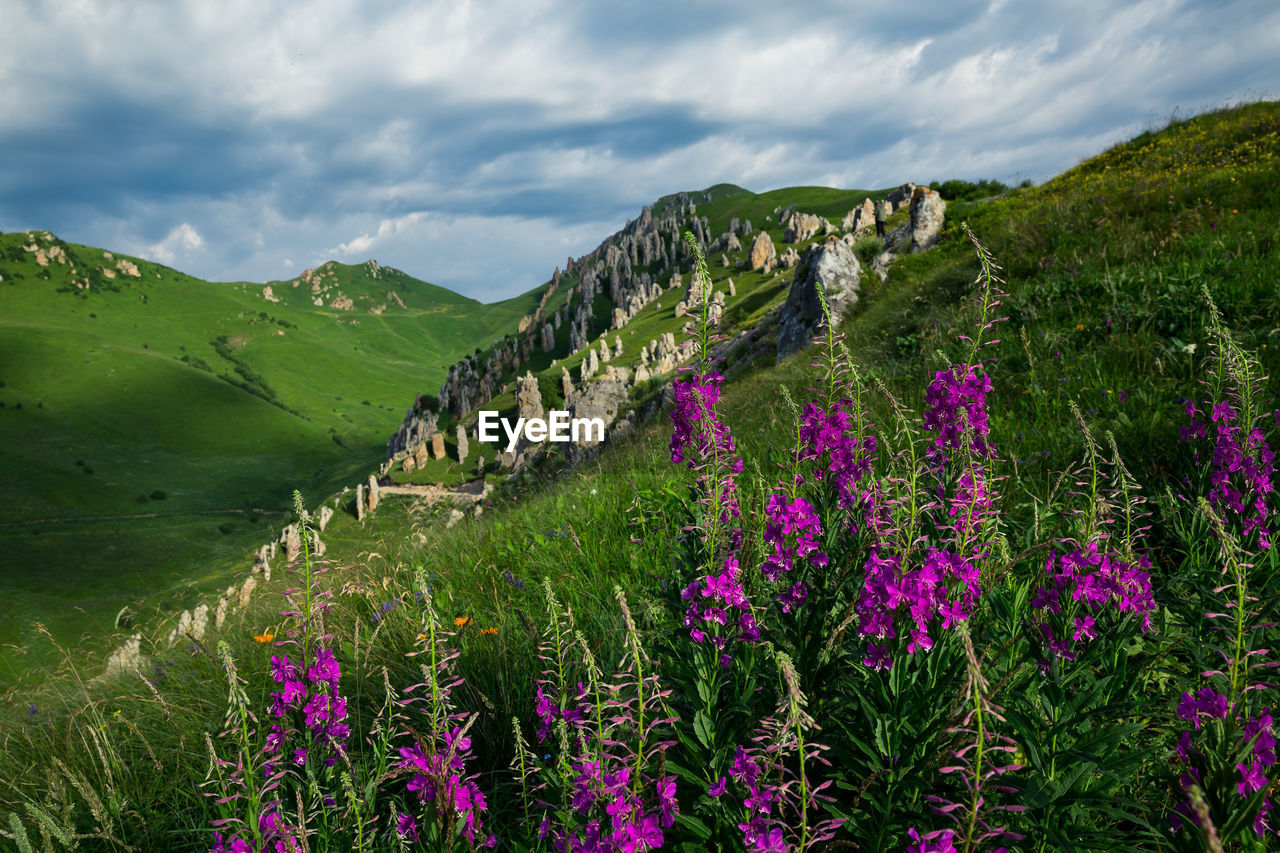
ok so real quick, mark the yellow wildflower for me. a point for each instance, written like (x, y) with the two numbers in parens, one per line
(264, 638)
(1079, 327)
(489, 631)
(461, 621)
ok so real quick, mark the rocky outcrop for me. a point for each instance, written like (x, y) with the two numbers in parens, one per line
(437, 447)
(464, 448)
(831, 266)
(800, 227)
(418, 425)
(860, 218)
(529, 396)
(763, 255)
(928, 210)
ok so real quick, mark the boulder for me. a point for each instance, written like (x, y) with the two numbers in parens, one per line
(763, 254)
(437, 446)
(928, 210)
(322, 518)
(373, 493)
(831, 266)
(548, 338)
(125, 659)
(359, 502)
(600, 399)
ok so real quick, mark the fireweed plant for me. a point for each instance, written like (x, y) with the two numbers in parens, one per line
(287, 780)
(604, 785)
(448, 807)
(1225, 748)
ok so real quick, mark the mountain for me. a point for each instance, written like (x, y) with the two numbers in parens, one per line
(154, 424)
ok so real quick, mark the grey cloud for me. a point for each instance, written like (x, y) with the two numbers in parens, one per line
(488, 167)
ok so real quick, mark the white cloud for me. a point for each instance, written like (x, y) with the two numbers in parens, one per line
(181, 240)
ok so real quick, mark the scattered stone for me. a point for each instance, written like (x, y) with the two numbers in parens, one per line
(246, 591)
(199, 621)
(566, 383)
(409, 465)
(548, 338)
(291, 541)
(125, 659)
(455, 515)
(437, 446)
(322, 518)
(733, 291)
(464, 447)
(360, 502)
(373, 493)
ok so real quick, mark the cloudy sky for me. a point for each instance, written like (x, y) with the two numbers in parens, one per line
(477, 144)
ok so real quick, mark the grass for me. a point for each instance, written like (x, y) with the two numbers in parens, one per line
(1103, 272)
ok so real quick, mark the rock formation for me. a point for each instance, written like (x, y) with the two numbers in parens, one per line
(831, 266)
(763, 255)
(928, 210)
(460, 435)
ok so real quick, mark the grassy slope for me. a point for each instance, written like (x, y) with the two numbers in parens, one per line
(1101, 271)
(127, 392)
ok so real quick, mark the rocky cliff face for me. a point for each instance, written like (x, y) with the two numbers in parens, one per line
(606, 288)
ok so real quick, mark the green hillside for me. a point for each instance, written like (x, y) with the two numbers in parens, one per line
(1104, 334)
(154, 425)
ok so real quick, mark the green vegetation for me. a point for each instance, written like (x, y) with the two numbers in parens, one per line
(210, 395)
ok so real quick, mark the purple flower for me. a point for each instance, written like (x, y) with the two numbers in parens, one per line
(955, 403)
(717, 788)
(407, 827)
(1252, 779)
(940, 841)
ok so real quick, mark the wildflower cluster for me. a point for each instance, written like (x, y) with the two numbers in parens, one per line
(956, 408)
(611, 801)
(1253, 744)
(719, 612)
(1242, 465)
(436, 761)
(699, 440)
(772, 774)
(1081, 583)
(317, 700)
(839, 454)
(943, 585)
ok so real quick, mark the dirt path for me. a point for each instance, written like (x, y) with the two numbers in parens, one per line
(468, 493)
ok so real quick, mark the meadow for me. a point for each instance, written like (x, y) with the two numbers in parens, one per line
(154, 426)
(990, 566)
